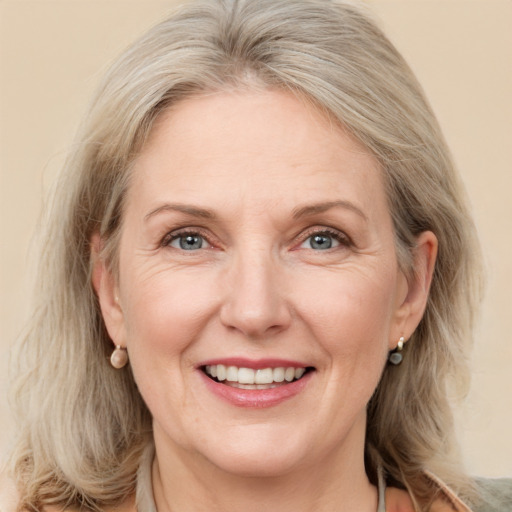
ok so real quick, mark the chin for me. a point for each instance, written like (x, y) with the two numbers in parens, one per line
(257, 465)
(259, 456)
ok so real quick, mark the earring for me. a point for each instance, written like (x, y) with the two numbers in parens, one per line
(395, 357)
(119, 357)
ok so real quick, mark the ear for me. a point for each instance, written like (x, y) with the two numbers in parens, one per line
(414, 295)
(107, 291)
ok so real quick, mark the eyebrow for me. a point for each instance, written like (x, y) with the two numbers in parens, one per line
(298, 213)
(312, 209)
(193, 211)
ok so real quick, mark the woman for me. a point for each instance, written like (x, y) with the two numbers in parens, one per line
(259, 279)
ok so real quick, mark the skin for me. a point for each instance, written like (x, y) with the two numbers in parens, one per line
(258, 288)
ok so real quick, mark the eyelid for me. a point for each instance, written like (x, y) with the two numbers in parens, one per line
(173, 234)
(340, 236)
(342, 239)
(170, 236)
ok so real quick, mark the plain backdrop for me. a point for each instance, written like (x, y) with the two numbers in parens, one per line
(52, 53)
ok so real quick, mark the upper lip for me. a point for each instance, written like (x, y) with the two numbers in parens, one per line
(255, 364)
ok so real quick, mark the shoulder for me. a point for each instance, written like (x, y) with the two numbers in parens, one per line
(8, 494)
(496, 495)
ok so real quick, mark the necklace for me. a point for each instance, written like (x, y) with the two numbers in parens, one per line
(144, 488)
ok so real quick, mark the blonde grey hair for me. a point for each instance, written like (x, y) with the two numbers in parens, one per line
(83, 425)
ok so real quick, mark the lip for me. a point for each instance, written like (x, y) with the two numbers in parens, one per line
(255, 398)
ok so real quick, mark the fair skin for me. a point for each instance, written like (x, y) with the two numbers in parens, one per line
(257, 235)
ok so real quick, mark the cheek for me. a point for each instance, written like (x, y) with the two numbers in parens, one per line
(164, 314)
(350, 313)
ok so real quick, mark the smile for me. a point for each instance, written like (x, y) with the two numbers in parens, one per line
(248, 378)
(258, 383)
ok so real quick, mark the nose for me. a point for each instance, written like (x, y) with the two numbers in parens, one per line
(254, 301)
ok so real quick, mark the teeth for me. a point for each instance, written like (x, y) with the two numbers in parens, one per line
(289, 374)
(252, 386)
(247, 378)
(299, 372)
(264, 376)
(278, 374)
(231, 373)
(221, 372)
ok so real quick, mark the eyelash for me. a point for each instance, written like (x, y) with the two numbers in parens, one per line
(340, 237)
(175, 235)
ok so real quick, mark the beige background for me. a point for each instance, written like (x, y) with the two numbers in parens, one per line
(53, 52)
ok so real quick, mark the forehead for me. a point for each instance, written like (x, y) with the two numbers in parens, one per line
(264, 146)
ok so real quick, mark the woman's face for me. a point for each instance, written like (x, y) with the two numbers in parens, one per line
(257, 246)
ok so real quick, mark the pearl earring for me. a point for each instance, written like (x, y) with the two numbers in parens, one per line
(395, 357)
(119, 357)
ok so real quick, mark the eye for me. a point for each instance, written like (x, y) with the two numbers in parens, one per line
(322, 241)
(188, 242)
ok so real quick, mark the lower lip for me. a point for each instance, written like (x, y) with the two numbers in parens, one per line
(256, 398)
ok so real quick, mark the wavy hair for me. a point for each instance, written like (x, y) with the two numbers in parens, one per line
(82, 424)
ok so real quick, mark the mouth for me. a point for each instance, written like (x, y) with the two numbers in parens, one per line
(258, 379)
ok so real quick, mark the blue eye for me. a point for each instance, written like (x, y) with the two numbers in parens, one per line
(188, 242)
(321, 242)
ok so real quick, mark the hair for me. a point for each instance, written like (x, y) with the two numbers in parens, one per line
(82, 424)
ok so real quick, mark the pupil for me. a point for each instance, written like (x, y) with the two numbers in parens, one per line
(190, 242)
(321, 242)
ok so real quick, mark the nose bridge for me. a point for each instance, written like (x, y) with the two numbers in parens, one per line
(254, 302)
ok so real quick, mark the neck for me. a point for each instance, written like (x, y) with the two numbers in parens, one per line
(183, 482)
